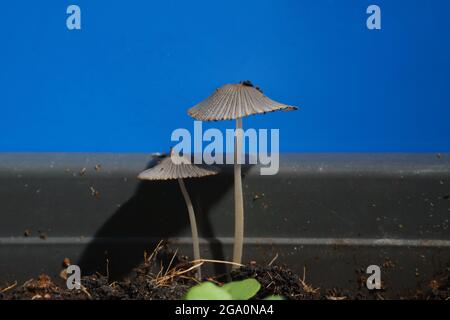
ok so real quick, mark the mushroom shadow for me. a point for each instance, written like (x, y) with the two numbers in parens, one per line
(156, 211)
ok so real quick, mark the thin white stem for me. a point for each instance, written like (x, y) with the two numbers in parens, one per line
(195, 241)
(238, 198)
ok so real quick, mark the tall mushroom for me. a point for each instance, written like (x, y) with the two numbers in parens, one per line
(233, 102)
(167, 169)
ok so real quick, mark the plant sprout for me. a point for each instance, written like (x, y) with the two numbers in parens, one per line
(167, 169)
(235, 290)
(233, 102)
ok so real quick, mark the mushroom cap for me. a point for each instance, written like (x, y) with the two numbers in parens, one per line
(234, 101)
(166, 169)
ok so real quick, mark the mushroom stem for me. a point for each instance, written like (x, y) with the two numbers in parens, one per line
(195, 241)
(238, 198)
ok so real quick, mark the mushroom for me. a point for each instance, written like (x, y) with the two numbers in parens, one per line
(233, 102)
(167, 169)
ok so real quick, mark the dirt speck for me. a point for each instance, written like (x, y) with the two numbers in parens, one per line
(43, 235)
(388, 264)
(258, 196)
(95, 193)
(66, 262)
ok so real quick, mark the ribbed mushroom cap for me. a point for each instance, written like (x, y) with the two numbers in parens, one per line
(166, 169)
(233, 101)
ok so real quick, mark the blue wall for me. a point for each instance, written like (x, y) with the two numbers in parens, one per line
(125, 81)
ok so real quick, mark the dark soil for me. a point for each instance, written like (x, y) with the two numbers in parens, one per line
(150, 281)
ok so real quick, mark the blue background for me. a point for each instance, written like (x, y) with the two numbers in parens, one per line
(125, 81)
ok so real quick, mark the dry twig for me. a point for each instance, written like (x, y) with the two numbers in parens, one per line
(9, 287)
(273, 260)
(307, 287)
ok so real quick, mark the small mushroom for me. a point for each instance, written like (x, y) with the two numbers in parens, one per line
(168, 169)
(235, 101)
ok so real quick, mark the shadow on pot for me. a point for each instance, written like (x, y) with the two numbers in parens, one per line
(156, 211)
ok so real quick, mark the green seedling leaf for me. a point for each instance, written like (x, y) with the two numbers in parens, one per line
(242, 290)
(274, 298)
(207, 291)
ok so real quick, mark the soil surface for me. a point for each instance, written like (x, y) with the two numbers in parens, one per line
(150, 281)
